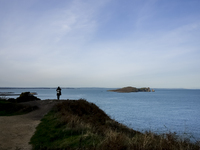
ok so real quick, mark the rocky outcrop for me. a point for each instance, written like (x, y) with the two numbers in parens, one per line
(131, 89)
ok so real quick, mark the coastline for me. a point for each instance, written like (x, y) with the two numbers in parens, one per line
(135, 104)
(25, 126)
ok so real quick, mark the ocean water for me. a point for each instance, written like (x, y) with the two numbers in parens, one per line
(162, 111)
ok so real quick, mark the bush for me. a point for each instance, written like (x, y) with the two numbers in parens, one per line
(24, 97)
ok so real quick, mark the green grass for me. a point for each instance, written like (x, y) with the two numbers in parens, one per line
(9, 109)
(54, 134)
(78, 124)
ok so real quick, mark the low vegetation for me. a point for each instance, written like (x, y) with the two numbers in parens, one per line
(78, 124)
(13, 106)
(8, 108)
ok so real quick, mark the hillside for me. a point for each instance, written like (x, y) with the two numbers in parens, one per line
(78, 124)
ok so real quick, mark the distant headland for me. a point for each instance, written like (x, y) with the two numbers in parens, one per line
(132, 89)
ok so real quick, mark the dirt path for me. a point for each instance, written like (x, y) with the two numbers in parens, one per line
(16, 131)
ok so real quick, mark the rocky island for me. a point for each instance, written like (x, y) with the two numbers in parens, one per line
(131, 89)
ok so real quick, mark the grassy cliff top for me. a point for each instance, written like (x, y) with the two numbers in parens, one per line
(78, 124)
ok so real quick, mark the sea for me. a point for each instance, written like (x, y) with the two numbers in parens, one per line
(163, 111)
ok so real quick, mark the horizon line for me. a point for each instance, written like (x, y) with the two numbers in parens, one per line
(85, 87)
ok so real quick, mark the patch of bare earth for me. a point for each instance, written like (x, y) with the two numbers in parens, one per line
(16, 131)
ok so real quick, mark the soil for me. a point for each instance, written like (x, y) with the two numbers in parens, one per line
(16, 131)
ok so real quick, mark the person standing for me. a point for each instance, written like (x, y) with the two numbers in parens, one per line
(58, 92)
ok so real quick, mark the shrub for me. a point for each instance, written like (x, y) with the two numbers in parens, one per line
(25, 97)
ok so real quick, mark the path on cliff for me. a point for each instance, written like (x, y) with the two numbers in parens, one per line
(16, 131)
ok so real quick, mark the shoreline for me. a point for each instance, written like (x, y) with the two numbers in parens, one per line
(25, 125)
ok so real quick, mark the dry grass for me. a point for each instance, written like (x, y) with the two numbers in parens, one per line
(78, 124)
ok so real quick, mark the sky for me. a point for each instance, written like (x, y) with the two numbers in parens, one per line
(107, 43)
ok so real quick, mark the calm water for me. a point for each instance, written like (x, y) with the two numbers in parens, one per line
(175, 110)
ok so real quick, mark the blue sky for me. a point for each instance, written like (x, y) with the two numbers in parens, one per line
(107, 43)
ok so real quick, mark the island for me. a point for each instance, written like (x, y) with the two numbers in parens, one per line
(131, 89)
